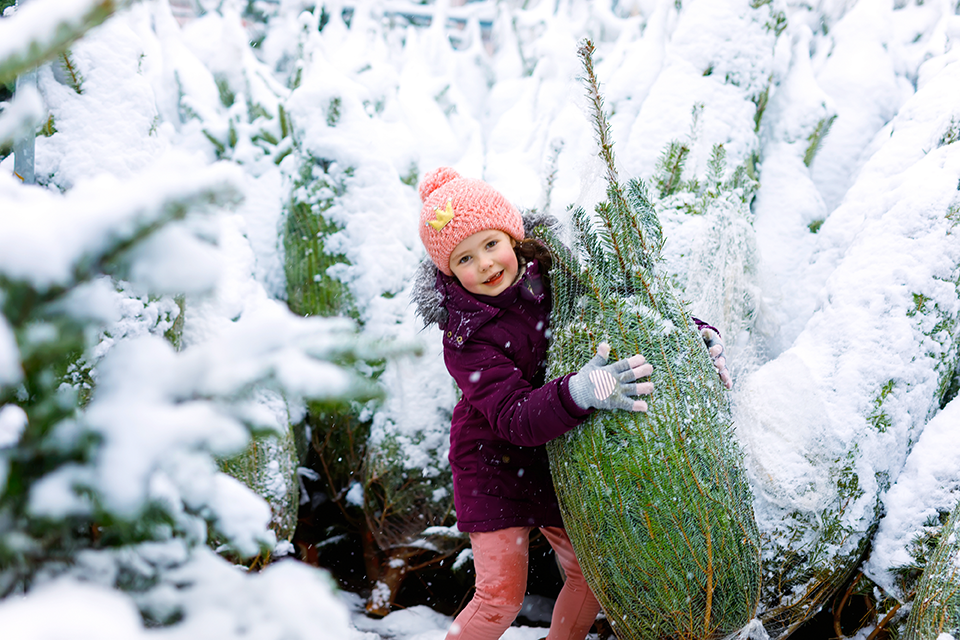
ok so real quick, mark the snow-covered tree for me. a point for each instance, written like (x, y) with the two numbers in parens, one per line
(109, 481)
(232, 97)
(843, 424)
(347, 178)
(936, 607)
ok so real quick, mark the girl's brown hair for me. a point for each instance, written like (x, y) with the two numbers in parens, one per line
(530, 249)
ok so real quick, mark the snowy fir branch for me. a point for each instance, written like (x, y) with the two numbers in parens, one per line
(42, 29)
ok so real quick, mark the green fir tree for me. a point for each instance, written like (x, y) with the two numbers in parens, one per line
(656, 504)
(404, 513)
(251, 127)
(936, 608)
(54, 41)
(53, 342)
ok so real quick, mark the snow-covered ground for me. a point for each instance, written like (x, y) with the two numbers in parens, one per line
(836, 290)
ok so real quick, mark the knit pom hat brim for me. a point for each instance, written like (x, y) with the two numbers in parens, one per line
(455, 208)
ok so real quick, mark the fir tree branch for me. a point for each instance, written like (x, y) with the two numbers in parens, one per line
(596, 101)
(45, 43)
(602, 127)
(76, 80)
(623, 225)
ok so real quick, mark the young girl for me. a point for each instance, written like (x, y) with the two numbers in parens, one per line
(491, 300)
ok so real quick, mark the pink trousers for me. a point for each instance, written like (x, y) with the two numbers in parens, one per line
(501, 559)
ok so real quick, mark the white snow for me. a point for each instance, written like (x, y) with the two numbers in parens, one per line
(928, 485)
(85, 611)
(43, 247)
(43, 22)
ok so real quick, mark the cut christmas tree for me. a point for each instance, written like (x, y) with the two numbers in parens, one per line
(828, 424)
(384, 463)
(936, 609)
(238, 106)
(656, 504)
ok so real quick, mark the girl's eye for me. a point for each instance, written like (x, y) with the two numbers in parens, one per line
(463, 259)
(492, 244)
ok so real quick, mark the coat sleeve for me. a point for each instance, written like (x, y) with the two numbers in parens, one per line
(518, 413)
(701, 325)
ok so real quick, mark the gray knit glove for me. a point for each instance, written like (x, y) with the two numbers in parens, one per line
(607, 386)
(715, 348)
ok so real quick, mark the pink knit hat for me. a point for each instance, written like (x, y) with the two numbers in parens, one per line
(455, 208)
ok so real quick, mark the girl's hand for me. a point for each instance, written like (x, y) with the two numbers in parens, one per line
(715, 348)
(607, 386)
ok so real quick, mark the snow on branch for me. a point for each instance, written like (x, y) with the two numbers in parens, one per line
(66, 234)
(21, 115)
(43, 28)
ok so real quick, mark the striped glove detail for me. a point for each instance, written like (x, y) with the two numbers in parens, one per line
(600, 385)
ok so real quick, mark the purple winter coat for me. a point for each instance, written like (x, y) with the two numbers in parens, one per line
(495, 348)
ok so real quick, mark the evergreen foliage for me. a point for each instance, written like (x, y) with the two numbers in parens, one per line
(669, 171)
(15, 62)
(921, 550)
(58, 438)
(409, 513)
(805, 572)
(713, 260)
(950, 134)
(311, 291)
(656, 504)
(250, 127)
(815, 139)
(334, 432)
(936, 608)
(65, 71)
(268, 466)
(819, 552)
(938, 322)
(114, 485)
(399, 502)
(370, 456)
(257, 15)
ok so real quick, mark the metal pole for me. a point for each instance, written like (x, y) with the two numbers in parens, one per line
(23, 148)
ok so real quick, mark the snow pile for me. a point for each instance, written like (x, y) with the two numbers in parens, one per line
(873, 360)
(220, 602)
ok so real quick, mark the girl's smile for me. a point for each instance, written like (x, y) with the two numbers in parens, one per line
(485, 262)
(495, 279)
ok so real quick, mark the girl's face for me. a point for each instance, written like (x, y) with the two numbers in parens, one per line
(485, 263)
